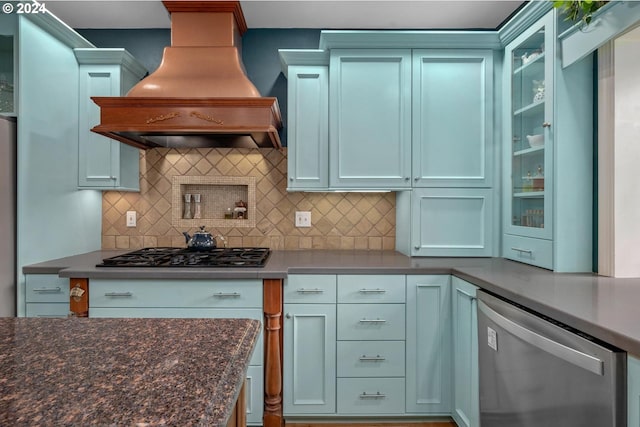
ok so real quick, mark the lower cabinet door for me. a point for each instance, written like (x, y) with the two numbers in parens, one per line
(47, 309)
(428, 345)
(366, 396)
(254, 389)
(466, 411)
(309, 371)
(633, 391)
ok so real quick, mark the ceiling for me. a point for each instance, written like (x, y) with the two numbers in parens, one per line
(325, 14)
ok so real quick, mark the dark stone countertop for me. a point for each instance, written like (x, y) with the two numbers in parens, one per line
(600, 306)
(108, 372)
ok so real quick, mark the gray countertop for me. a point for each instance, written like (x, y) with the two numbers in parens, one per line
(606, 308)
(181, 372)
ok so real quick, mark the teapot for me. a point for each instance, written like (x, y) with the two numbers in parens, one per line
(201, 240)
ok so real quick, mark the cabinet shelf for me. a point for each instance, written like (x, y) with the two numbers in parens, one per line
(531, 68)
(526, 151)
(529, 195)
(531, 109)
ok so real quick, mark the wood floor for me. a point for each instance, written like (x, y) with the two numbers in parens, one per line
(401, 424)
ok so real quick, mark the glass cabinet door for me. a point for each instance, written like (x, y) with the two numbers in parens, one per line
(530, 59)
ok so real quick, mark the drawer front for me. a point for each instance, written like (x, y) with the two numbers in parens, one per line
(310, 289)
(254, 392)
(533, 251)
(171, 293)
(370, 396)
(363, 322)
(47, 288)
(360, 289)
(47, 309)
(186, 313)
(370, 358)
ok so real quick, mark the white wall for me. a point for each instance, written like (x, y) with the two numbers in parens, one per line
(619, 157)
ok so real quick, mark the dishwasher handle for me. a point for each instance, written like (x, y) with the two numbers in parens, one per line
(571, 355)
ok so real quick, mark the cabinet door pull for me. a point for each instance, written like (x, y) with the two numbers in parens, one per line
(546, 125)
(378, 358)
(56, 290)
(372, 291)
(377, 395)
(50, 315)
(310, 291)
(372, 321)
(524, 251)
(227, 294)
(118, 294)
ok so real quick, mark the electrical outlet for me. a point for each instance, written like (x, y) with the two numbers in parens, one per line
(131, 218)
(303, 219)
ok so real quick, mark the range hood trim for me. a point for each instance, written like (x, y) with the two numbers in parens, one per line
(141, 116)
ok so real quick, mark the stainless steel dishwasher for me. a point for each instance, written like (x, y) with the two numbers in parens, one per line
(536, 372)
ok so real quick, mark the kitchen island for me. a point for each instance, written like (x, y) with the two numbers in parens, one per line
(179, 372)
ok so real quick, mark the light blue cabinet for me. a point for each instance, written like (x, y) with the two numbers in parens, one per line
(308, 128)
(428, 381)
(370, 119)
(47, 295)
(445, 222)
(466, 410)
(309, 355)
(452, 110)
(103, 162)
(547, 177)
(633, 391)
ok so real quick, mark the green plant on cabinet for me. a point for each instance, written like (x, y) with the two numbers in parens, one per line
(105, 163)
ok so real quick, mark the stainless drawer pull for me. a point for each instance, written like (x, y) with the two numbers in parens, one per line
(372, 291)
(372, 321)
(378, 395)
(310, 291)
(56, 290)
(377, 358)
(118, 294)
(524, 251)
(227, 294)
(51, 315)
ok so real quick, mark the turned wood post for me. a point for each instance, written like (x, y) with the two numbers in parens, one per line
(273, 353)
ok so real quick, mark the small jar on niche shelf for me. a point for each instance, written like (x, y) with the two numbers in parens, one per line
(197, 207)
(186, 213)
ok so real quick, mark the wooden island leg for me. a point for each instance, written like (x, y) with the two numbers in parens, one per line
(273, 353)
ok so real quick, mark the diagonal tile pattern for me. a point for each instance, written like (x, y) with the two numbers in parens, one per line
(339, 220)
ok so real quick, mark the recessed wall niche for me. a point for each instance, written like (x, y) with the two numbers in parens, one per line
(218, 197)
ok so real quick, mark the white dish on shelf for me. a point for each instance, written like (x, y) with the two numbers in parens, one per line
(535, 140)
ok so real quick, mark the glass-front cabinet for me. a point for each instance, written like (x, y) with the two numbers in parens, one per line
(530, 65)
(8, 25)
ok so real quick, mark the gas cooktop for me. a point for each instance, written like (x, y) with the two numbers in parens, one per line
(183, 257)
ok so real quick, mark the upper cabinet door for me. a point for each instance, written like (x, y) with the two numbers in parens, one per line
(370, 118)
(452, 118)
(529, 61)
(308, 128)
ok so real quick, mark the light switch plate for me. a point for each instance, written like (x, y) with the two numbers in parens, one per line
(303, 219)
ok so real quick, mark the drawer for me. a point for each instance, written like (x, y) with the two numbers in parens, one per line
(371, 358)
(310, 289)
(254, 392)
(186, 313)
(174, 293)
(363, 322)
(362, 289)
(370, 396)
(528, 249)
(47, 288)
(47, 309)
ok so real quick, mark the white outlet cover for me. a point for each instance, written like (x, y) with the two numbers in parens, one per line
(303, 219)
(131, 218)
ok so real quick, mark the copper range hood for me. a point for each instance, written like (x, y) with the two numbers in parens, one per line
(200, 95)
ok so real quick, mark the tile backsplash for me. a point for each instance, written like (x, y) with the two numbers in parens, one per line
(339, 220)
